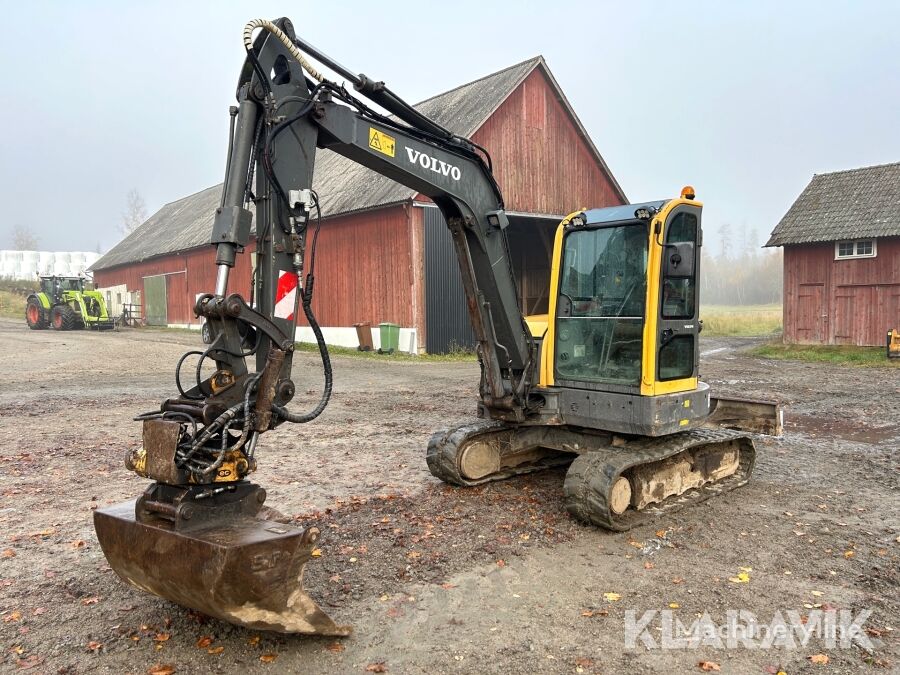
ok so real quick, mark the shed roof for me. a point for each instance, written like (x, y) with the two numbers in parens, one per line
(343, 185)
(844, 205)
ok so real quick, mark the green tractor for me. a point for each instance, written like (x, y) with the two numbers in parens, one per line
(64, 304)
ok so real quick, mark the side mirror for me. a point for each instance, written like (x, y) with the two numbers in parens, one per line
(679, 261)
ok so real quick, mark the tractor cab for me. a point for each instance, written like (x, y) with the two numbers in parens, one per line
(55, 286)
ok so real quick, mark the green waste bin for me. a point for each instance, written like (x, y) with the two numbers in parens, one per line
(390, 338)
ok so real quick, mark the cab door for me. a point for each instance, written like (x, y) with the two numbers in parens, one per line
(677, 322)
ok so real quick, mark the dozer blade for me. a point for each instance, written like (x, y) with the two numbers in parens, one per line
(750, 415)
(245, 571)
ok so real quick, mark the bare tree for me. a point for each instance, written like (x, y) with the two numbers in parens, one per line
(725, 240)
(23, 239)
(135, 212)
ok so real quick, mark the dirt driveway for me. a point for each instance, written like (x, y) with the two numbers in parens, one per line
(438, 579)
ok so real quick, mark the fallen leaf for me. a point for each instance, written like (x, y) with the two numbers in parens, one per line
(204, 642)
(447, 587)
(215, 650)
(94, 645)
(8, 553)
(162, 637)
(848, 554)
(674, 605)
(43, 533)
(378, 667)
(12, 616)
(612, 597)
(820, 659)
(413, 555)
(316, 553)
(648, 565)
(268, 658)
(78, 543)
(595, 612)
(90, 601)
(253, 641)
(29, 661)
(709, 666)
(161, 669)
(741, 578)
(335, 647)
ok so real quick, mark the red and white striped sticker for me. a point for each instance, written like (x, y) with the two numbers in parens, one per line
(285, 295)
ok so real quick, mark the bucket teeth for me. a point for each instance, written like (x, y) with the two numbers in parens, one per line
(243, 570)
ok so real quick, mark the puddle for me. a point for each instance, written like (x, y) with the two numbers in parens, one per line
(819, 427)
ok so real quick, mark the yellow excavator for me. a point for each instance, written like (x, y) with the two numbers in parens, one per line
(607, 382)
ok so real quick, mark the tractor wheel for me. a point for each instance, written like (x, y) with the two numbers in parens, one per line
(34, 315)
(63, 317)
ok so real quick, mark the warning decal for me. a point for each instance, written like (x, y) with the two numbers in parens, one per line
(380, 141)
(285, 295)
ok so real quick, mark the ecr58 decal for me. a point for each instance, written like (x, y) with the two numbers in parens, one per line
(380, 141)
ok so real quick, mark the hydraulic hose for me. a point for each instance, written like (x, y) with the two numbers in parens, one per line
(301, 418)
(284, 39)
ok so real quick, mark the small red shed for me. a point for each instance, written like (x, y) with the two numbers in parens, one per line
(384, 253)
(841, 242)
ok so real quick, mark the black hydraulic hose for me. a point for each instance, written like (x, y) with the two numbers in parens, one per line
(298, 418)
(232, 112)
(178, 374)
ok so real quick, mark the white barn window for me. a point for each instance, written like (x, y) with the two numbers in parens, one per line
(860, 248)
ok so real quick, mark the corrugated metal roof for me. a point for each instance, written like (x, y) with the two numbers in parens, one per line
(844, 205)
(344, 186)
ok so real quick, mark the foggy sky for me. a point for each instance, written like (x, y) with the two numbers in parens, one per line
(745, 102)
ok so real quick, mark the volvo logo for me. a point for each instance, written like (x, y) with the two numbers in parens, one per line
(433, 164)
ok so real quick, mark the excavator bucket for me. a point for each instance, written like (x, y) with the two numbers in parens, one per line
(243, 570)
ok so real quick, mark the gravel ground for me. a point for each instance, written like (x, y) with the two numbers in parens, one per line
(439, 579)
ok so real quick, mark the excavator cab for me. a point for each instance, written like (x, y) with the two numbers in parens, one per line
(624, 300)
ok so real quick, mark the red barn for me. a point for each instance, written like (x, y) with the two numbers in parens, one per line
(384, 253)
(841, 242)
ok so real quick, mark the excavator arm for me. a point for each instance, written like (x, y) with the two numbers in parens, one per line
(282, 120)
(198, 535)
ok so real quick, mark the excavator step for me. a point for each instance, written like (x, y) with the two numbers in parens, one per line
(244, 570)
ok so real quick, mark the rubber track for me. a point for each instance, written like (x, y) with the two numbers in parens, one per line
(445, 446)
(591, 476)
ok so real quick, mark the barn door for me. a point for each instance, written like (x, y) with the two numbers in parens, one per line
(447, 323)
(811, 314)
(155, 307)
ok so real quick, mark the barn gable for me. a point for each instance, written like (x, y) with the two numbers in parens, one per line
(844, 205)
(488, 109)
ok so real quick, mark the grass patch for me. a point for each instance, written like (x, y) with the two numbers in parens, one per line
(311, 347)
(457, 355)
(12, 305)
(744, 321)
(847, 355)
